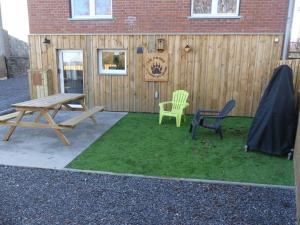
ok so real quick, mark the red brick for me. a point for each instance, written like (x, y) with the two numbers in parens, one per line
(168, 16)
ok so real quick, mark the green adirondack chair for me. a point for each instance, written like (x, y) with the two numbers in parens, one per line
(178, 105)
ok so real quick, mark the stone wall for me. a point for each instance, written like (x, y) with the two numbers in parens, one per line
(18, 48)
(17, 66)
(5, 43)
(18, 59)
(15, 58)
(4, 52)
(3, 68)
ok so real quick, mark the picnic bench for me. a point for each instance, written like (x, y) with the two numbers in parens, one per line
(44, 106)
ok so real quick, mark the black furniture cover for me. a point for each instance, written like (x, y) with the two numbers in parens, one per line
(274, 127)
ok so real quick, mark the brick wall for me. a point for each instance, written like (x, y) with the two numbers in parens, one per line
(159, 16)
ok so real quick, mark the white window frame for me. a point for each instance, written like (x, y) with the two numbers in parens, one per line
(111, 71)
(92, 12)
(214, 11)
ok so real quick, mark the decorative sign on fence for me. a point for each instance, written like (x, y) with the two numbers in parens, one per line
(156, 66)
(37, 78)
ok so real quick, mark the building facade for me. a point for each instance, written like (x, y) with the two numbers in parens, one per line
(109, 49)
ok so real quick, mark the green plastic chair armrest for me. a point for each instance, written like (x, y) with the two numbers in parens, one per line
(161, 104)
(184, 106)
(164, 103)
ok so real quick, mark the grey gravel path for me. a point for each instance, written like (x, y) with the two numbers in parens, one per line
(40, 196)
(13, 90)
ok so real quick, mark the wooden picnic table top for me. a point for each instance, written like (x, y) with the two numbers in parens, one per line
(43, 106)
(49, 101)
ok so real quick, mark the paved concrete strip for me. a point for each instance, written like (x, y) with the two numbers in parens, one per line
(34, 147)
(7, 111)
(42, 196)
(183, 179)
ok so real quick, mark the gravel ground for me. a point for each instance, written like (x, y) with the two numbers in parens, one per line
(41, 196)
(13, 90)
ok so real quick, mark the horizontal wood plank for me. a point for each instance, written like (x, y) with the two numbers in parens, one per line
(31, 124)
(49, 101)
(11, 116)
(81, 117)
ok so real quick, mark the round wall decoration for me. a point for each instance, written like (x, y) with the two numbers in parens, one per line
(156, 66)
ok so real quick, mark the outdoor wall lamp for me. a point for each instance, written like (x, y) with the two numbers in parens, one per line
(46, 41)
(139, 50)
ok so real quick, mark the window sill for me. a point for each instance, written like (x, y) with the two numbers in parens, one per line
(214, 17)
(112, 74)
(91, 19)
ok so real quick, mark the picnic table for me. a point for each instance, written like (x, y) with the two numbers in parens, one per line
(47, 108)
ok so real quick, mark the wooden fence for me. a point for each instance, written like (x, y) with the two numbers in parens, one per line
(218, 68)
(295, 65)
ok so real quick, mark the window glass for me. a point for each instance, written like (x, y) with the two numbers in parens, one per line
(103, 7)
(215, 8)
(81, 7)
(227, 6)
(72, 68)
(112, 61)
(202, 6)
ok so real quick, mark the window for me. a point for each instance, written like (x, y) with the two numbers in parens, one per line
(91, 9)
(215, 8)
(112, 62)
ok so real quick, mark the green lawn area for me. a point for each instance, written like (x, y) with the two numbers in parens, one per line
(138, 145)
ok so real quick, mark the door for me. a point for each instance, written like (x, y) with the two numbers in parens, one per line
(71, 71)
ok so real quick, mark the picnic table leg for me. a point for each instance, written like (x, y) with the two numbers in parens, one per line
(86, 109)
(38, 118)
(12, 128)
(59, 133)
(56, 111)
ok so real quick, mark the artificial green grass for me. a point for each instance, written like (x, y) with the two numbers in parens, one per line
(138, 145)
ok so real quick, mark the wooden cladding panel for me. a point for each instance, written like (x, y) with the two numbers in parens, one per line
(295, 65)
(41, 83)
(217, 69)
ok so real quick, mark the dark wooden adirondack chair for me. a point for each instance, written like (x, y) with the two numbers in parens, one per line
(218, 116)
